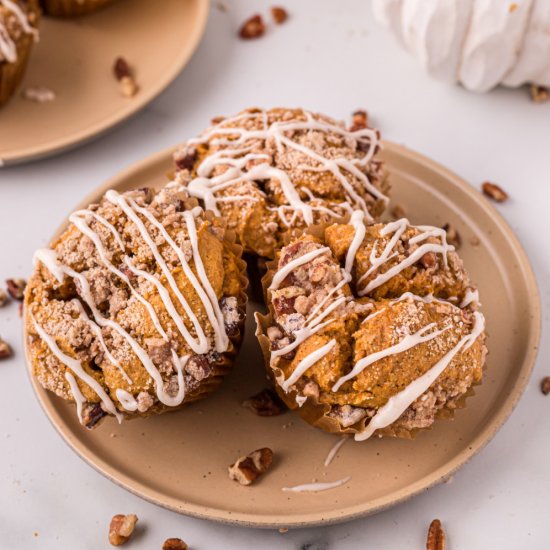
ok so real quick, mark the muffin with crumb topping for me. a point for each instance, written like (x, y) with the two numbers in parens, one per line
(271, 173)
(18, 31)
(372, 329)
(73, 8)
(138, 307)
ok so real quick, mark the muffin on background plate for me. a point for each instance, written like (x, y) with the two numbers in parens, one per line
(18, 31)
(138, 307)
(73, 8)
(372, 329)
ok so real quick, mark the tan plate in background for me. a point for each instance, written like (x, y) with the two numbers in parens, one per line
(180, 460)
(75, 58)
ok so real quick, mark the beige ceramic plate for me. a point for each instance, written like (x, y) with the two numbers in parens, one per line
(74, 58)
(180, 460)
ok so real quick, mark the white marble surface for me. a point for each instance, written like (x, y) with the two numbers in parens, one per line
(331, 57)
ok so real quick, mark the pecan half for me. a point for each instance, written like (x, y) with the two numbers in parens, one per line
(453, 236)
(174, 544)
(265, 403)
(248, 468)
(3, 297)
(185, 159)
(545, 385)
(16, 288)
(121, 528)
(493, 191)
(539, 94)
(359, 121)
(252, 28)
(436, 536)
(5, 349)
(279, 14)
(92, 413)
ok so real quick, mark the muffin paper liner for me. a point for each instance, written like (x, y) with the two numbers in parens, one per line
(312, 411)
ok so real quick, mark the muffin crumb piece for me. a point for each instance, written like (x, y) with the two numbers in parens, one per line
(398, 212)
(121, 528)
(248, 468)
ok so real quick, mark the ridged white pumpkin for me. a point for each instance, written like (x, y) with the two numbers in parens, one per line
(479, 43)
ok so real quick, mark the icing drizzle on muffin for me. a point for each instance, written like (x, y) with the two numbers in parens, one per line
(8, 48)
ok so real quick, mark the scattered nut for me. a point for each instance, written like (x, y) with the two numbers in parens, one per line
(279, 14)
(174, 544)
(539, 94)
(125, 77)
(398, 212)
(121, 528)
(493, 191)
(16, 288)
(436, 536)
(453, 236)
(265, 403)
(185, 159)
(248, 468)
(545, 385)
(283, 530)
(360, 121)
(5, 349)
(252, 28)
(3, 297)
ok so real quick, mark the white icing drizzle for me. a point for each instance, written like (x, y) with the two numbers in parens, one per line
(428, 299)
(315, 487)
(471, 297)
(8, 48)
(126, 399)
(335, 448)
(408, 342)
(80, 220)
(77, 394)
(280, 276)
(206, 185)
(201, 344)
(400, 402)
(397, 229)
(76, 367)
(306, 363)
(357, 222)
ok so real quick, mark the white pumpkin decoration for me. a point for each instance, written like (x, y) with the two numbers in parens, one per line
(478, 43)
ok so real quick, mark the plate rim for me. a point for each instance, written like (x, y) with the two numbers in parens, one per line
(90, 133)
(270, 521)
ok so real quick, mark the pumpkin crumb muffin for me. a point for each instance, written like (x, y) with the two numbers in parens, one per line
(18, 31)
(138, 307)
(73, 8)
(367, 335)
(273, 172)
